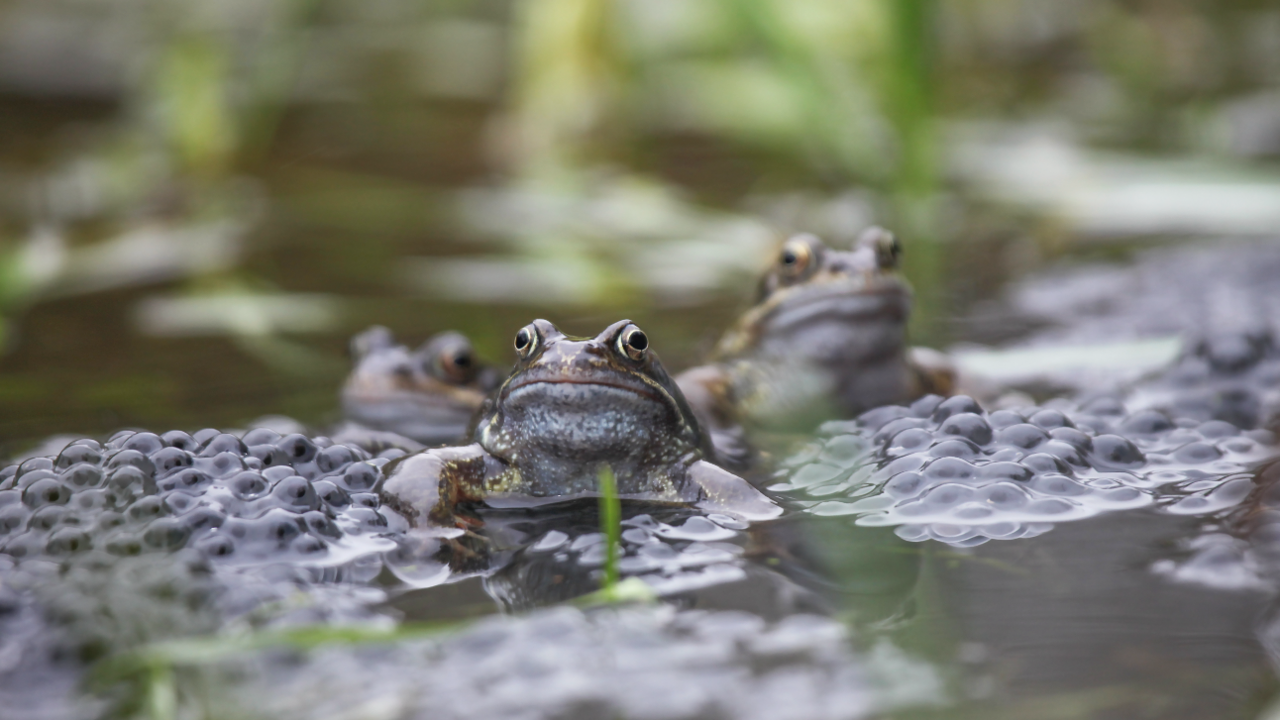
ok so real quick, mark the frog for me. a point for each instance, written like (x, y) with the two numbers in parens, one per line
(412, 398)
(575, 410)
(825, 339)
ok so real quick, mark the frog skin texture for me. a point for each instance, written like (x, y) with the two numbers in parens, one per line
(572, 408)
(429, 395)
(825, 340)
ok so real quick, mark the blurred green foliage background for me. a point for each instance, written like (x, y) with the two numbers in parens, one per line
(200, 202)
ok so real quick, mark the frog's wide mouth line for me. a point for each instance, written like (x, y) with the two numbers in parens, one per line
(839, 307)
(423, 395)
(462, 400)
(642, 392)
(843, 288)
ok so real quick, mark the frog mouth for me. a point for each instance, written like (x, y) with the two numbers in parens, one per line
(847, 286)
(429, 393)
(841, 305)
(644, 392)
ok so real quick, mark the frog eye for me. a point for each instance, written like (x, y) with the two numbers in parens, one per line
(457, 363)
(633, 343)
(795, 257)
(888, 251)
(526, 341)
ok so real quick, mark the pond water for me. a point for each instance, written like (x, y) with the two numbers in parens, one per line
(1092, 537)
(1071, 559)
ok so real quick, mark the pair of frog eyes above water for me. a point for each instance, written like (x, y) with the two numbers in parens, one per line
(631, 342)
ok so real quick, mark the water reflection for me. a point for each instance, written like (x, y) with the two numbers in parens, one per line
(636, 662)
(616, 235)
(1069, 624)
(532, 558)
(760, 605)
(857, 619)
(1072, 624)
(267, 206)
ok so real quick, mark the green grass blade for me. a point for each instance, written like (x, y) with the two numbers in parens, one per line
(611, 526)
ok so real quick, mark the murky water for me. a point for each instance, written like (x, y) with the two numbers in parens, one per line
(1035, 611)
(1114, 610)
(1011, 565)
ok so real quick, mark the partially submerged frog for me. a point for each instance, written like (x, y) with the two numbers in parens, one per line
(572, 408)
(428, 395)
(826, 338)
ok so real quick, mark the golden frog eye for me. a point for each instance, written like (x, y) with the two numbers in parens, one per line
(526, 341)
(795, 257)
(633, 343)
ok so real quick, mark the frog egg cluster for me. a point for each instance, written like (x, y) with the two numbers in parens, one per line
(947, 470)
(260, 498)
(1233, 377)
(1161, 291)
(642, 663)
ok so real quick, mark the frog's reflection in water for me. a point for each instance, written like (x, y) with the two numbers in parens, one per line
(529, 559)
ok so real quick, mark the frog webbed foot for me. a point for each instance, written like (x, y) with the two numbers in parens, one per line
(431, 486)
(720, 491)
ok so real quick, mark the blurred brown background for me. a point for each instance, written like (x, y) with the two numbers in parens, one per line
(200, 202)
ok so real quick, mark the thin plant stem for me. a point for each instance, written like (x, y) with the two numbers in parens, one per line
(610, 525)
